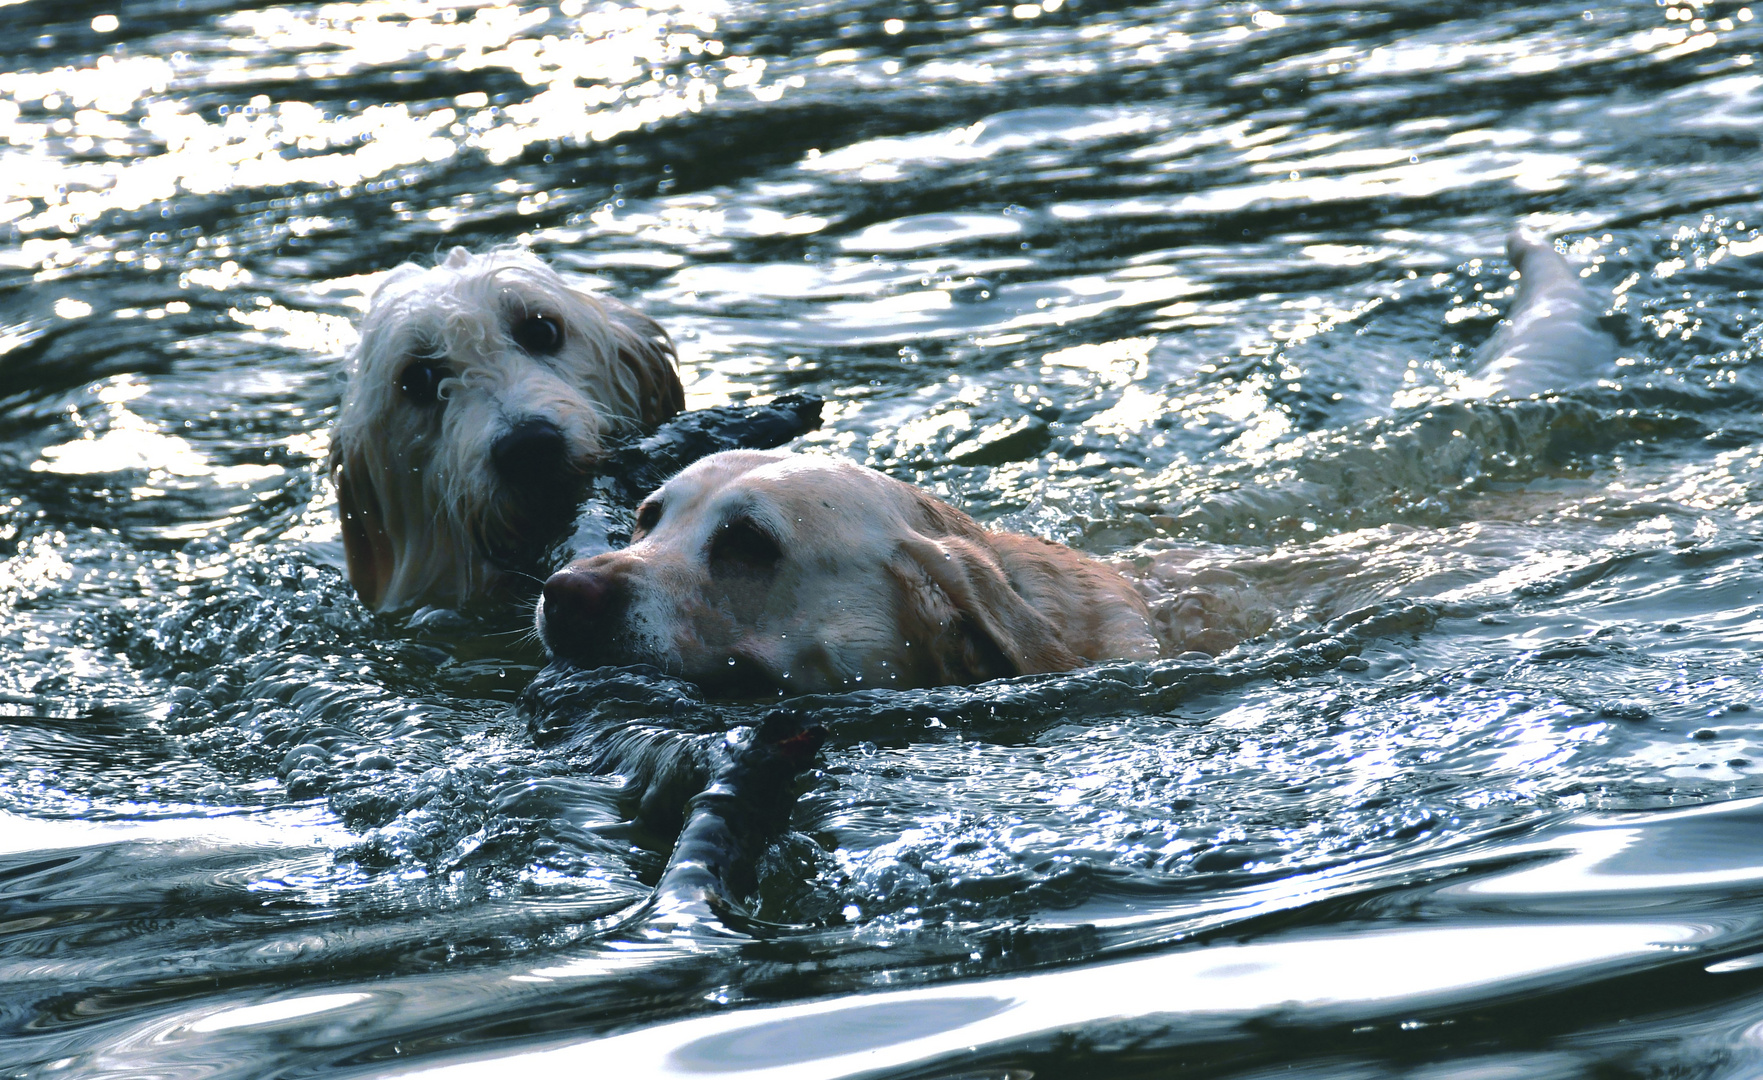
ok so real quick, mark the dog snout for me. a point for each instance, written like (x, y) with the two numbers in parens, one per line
(531, 453)
(580, 602)
(576, 592)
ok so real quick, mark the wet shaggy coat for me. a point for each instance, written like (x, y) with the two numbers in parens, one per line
(453, 359)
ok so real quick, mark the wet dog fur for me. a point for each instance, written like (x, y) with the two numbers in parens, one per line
(753, 570)
(761, 571)
(481, 393)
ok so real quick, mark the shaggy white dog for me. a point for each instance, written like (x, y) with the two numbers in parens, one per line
(482, 392)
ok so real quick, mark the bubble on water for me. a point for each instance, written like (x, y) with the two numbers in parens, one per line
(972, 291)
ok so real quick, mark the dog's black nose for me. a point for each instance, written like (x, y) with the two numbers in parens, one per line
(533, 451)
(577, 603)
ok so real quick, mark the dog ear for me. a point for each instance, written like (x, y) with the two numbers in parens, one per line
(647, 353)
(958, 602)
(653, 361)
(366, 545)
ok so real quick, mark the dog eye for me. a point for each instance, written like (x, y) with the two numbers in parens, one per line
(420, 382)
(648, 515)
(743, 547)
(539, 335)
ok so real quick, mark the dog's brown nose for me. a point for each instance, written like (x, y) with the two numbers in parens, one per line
(575, 605)
(533, 451)
(577, 588)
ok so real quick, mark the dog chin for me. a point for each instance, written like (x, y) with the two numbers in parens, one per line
(737, 677)
(615, 646)
(724, 677)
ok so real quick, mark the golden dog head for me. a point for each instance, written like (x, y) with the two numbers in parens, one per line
(754, 570)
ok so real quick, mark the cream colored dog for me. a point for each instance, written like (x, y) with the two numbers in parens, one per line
(752, 570)
(757, 570)
(482, 391)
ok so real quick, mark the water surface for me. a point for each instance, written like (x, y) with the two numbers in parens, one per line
(1169, 277)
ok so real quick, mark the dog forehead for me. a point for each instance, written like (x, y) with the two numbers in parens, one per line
(504, 270)
(414, 293)
(708, 477)
(715, 471)
(826, 501)
(809, 489)
(798, 477)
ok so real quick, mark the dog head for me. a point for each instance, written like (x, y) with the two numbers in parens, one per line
(759, 570)
(481, 394)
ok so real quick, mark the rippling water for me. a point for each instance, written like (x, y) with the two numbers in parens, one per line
(1483, 799)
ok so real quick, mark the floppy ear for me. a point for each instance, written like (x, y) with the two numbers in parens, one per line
(646, 351)
(366, 544)
(651, 358)
(957, 601)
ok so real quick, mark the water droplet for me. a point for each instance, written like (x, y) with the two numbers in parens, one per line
(972, 291)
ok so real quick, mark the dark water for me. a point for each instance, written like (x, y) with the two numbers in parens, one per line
(1139, 278)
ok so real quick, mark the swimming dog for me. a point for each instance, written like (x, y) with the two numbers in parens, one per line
(758, 571)
(752, 569)
(483, 391)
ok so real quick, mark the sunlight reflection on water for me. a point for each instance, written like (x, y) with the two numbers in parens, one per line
(1188, 285)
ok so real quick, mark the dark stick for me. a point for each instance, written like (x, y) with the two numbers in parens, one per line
(728, 790)
(747, 799)
(631, 472)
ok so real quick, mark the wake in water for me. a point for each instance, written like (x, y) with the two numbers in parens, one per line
(1532, 389)
(1529, 389)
